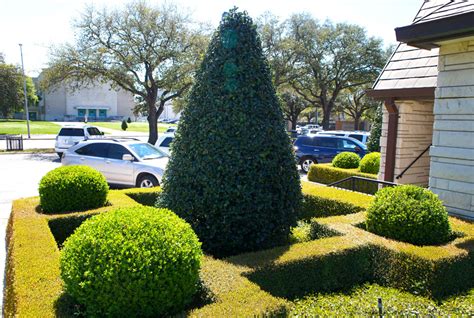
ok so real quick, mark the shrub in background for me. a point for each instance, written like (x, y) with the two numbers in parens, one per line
(138, 261)
(346, 160)
(373, 144)
(233, 175)
(72, 188)
(409, 213)
(124, 125)
(370, 163)
(129, 121)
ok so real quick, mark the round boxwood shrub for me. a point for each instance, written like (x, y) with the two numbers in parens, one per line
(370, 163)
(346, 160)
(409, 213)
(135, 262)
(233, 175)
(72, 188)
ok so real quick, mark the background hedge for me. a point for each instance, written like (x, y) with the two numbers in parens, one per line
(346, 160)
(326, 174)
(132, 261)
(72, 188)
(233, 174)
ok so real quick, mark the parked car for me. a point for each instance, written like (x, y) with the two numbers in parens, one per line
(362, 136)
(164, 141)
(171, 129)
(71, 134)
(313, 127)
(125, 162)
(323, 148)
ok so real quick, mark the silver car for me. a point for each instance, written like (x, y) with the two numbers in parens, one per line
(125, 162)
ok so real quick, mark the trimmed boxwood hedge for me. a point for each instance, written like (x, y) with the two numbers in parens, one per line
(72, 188)
(346, 160)
(132, 261)
(238, 284)
(326, 174)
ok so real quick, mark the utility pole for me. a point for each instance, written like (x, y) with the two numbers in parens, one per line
(24, 91)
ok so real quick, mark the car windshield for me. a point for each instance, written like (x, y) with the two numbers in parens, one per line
(146, 151)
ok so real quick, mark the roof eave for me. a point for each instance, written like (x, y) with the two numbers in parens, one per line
(425, 35)
(417, 93)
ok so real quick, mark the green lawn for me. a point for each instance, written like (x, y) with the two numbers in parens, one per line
(16, 127)
(138, 127)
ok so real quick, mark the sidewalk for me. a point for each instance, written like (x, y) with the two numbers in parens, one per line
(21, 174)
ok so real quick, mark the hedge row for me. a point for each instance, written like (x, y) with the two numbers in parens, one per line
(252, 284)
(320, 201)
(327, 174)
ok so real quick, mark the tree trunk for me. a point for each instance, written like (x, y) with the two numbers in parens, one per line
(152, 121)
(326, 117)
(294, 121)
(356, 122)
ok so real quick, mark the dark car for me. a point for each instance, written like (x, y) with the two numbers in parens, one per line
(322, 149)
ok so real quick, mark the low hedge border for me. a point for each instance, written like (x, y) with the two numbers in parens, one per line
(320, 201)
(326, 174)
(252, 284)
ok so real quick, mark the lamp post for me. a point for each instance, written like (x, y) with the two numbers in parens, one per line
(24, 91)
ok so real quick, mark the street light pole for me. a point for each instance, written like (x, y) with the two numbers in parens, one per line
(24, 92)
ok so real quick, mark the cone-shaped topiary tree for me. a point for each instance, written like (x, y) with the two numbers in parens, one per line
(232, 173)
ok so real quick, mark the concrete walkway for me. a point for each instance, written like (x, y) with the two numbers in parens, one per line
(20, 176)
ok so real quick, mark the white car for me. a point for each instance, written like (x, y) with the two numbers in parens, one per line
(362, 136)
(72, 134)
(164, 141)
(125, 162)
(313, 127)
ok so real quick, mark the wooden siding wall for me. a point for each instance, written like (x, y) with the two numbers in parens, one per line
(415, 129)
(452, 154)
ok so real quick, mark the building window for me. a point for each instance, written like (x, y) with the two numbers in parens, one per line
(81, 112)
(102, 113)
(92, 113)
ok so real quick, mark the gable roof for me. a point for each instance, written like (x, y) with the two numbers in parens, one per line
(439, 20)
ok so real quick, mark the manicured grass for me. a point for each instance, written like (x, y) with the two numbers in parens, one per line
(133, 126)
(16, 127)
(362, 302)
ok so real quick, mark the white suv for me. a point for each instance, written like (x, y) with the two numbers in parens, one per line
(125, 162)
(72, 134)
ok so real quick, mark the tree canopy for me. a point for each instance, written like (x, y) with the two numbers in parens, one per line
(149, 51)
(11, 89)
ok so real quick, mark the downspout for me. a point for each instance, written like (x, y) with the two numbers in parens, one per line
(391, 149)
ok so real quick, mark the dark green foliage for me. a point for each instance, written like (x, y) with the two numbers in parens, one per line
(316, 206)
(373, 144)
(147, 198)
(129, 121)
(124, 125)
(137, 261)
(370, 163)
(324, 273)
(346, 160)
(232, 174)
(72, 188)
(409, 213)
(63, 227)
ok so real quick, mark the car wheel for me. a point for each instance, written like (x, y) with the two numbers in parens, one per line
(147, 181)
(306, 163)
(60, 154)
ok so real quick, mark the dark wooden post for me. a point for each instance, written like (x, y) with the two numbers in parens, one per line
(391, 149)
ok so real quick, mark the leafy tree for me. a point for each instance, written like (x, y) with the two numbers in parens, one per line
(232, 175)
(354, 103)
(292, 105)
(149, 51)
(12, 91)
(10, 88)
(124, 125)
(373, 144)
(333, 58)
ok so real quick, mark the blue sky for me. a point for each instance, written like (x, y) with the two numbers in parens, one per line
(38, 24)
